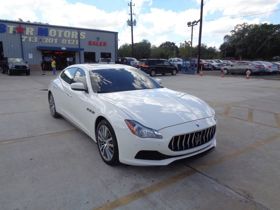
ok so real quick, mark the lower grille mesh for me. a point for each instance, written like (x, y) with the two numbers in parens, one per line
(191, 140)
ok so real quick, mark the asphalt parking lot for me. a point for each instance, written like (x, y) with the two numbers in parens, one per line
(46, 163)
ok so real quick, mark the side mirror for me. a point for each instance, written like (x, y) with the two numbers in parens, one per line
(78, 86)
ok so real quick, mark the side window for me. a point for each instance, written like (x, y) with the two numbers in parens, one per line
(80, 76)
(166, 63)
(68, 75)
(160, 62)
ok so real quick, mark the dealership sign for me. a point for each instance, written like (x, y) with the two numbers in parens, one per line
(44, 34)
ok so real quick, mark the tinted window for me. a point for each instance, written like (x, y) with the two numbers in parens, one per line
(151, 62)
(166, 63)
(68, 74)
(115, 80)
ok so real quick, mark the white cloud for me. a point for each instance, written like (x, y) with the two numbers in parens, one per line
(240, 7)
(154, 24)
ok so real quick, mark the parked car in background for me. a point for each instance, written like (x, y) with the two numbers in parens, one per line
(241, 67)
(177, 62)
(206, 65)
(105, 60)
(128, 61)
(214, 64)
(157, 66)
(278, 65)
(269, 67)
(16, 66)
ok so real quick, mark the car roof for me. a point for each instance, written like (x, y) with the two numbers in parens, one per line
(96, 66)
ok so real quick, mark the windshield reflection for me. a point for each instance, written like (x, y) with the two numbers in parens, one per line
(121, 79)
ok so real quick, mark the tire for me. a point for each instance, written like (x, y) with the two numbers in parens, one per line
(174, 72)
(9, 72)
(28, 73)
(107, 143)
(249, 71)
(225, 71)
(52, 106)
(153, 73)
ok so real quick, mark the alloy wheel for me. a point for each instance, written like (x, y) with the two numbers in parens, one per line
(105, 142)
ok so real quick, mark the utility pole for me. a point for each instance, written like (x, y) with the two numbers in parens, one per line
(199, 38)
(131, 23)
(192, 24)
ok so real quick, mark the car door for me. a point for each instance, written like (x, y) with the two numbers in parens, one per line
(160, 68)
(81, 106)
(236, 67)
(168, 67)
(66, 79)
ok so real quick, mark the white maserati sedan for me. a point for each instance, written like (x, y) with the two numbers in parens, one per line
(131, 117)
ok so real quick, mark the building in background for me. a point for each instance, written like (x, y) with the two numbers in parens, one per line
(35, 42)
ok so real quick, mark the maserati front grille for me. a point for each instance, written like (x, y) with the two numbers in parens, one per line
(191, 140)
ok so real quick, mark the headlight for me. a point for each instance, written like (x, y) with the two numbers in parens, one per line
(142, 131)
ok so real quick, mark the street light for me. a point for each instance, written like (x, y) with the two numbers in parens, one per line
(192, 24)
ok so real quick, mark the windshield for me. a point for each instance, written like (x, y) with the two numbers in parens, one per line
(120, 79)
(15, 60)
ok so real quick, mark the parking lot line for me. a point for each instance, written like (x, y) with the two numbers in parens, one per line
(250, 115)
(122, 201)
(227, 110)
(148, 190)
(29, 138)
(277, 118)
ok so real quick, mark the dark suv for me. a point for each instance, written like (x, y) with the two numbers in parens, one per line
(16, 65)
(157, 66)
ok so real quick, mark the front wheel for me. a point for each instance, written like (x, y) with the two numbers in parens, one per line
(9, 72)
(174, 72)
(27, 73)
(153, 73)
(107, 143)
(52, 107)
(225, 71)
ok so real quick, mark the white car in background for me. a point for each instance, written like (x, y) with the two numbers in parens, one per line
(269, 67)
(177, 62)
(133, 119)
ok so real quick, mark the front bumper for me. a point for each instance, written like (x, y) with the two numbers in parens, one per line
(135, 151)
(19, 70)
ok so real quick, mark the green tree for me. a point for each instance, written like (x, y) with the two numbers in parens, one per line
(142, 49)
(124, 50)
(169, 49)
(185, 50)
(255, 41)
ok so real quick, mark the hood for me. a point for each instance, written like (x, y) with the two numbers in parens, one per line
(159, 108)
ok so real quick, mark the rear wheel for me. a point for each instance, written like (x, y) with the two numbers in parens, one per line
(153, 73)
(107, 143)
(225, 71)
(28, 72)
(9, 72)
(249, 71)
(174, 72)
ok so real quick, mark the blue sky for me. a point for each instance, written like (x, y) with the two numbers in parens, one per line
(157, 20)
